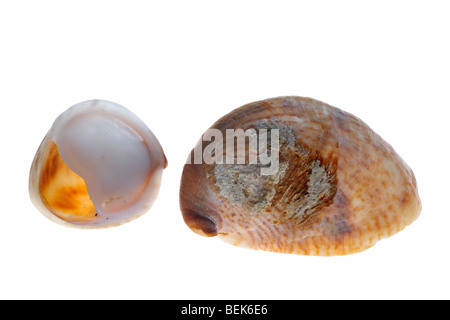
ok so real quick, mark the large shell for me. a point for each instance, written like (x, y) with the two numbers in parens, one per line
(339, 187)
(98, 166)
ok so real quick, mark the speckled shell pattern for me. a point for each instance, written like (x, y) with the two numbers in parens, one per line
(370, 192)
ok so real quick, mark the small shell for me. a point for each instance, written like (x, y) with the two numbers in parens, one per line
(339, 187)
(98, 166)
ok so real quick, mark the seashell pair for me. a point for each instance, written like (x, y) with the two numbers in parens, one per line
(304, 177)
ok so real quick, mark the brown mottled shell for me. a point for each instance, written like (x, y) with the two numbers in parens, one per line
(339, 189)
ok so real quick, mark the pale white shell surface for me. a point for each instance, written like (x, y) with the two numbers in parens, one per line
(114, 152)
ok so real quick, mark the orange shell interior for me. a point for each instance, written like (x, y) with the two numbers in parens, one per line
(62, 191)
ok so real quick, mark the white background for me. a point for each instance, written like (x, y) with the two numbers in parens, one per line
(181, 65)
